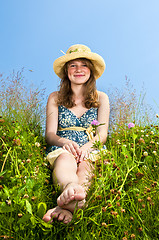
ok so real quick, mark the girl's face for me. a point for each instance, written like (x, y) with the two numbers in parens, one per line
(78, 71)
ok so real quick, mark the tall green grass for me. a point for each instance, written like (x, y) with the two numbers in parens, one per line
(122, 202)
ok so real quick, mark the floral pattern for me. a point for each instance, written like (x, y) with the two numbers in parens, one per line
(66, 119)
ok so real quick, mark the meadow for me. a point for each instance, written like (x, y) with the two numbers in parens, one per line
(123, 199)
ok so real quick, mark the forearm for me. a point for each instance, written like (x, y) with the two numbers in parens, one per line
(53, 139)
(66, 144)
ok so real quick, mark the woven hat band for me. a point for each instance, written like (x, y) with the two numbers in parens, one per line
(78, 48)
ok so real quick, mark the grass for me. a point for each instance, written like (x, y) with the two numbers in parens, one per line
(122, 202)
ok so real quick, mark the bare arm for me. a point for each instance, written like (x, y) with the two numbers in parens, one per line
(52, 125)
(52, 121)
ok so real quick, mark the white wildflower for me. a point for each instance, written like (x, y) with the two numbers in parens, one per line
(37, 144)
(118, 141)
(145, 154)
(154, 152)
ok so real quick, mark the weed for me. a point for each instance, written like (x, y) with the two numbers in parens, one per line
(122, 202)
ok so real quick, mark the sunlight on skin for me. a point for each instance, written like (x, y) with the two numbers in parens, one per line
(71, 192)
(59, 214)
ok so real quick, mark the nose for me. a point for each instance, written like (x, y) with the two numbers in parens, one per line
(78, 68)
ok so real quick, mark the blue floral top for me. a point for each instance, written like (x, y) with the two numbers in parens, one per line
(67, 118)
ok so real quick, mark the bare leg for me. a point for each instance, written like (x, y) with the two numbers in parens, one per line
(73, 195)
(74, 182)
(84, 173)
(65, 174)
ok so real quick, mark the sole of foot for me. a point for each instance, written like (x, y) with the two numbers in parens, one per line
(72, 192)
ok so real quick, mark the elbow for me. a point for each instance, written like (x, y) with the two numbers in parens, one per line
(48, 138)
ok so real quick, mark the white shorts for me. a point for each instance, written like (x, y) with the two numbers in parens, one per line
(51, 157)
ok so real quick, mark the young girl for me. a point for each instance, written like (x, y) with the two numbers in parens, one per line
(70, 112)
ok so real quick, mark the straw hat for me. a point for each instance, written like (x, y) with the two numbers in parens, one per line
(80, 51)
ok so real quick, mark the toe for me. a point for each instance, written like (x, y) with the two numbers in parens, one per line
(60, 200)
(61, 216)
(47, 217)
(67, 220)
(71, 194)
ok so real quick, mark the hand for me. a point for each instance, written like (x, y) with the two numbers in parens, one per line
(83, 155)
(73, 148)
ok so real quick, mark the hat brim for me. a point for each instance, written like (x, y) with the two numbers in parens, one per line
(96, 59)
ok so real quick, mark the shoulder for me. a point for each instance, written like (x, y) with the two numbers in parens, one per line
(103, 97)
(53, 97)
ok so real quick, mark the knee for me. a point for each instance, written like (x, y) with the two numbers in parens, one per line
(64, 160)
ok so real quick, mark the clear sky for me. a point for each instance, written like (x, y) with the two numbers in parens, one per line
(124, 32)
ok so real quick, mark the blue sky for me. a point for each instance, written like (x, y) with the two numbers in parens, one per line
(124, 32)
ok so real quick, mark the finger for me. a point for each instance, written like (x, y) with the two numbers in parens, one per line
(87, 154)
(77, 148)
(75, 145)
(77, 159)
(70, 148)
(73, 150)
(83, 156)
(66, 147)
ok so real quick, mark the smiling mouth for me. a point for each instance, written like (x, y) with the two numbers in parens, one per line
(79, 75)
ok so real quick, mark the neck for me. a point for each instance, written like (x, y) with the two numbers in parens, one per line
(78, 93)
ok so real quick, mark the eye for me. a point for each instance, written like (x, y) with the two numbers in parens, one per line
(72, 65)
(84, 65)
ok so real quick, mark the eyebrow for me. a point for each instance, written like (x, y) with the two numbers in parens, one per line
(74, 61)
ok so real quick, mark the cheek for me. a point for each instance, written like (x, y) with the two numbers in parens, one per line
(89, 73)
(69, 73)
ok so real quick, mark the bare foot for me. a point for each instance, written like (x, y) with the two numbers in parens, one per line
(58, 213)
(74, 205)
(72, 194)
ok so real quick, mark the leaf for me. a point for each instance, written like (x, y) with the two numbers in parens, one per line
(21, 190)
(46, 225)
(24, 218)
(134, 136)
(5, 209)
(126, 152)
(6, 190)
(36, 186)
(28, 207)
(30, 183)
(2, 173)
(33, 220)
(41, 209)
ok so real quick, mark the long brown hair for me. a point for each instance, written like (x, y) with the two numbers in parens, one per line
(65, 92)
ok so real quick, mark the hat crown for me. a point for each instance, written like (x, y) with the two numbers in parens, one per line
(78, 48)
(78, 51)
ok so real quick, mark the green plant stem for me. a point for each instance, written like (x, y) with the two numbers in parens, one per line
(5, 160)
(129, 170)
